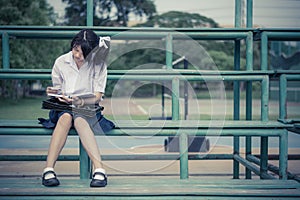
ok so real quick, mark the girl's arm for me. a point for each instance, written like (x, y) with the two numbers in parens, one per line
(84, 101)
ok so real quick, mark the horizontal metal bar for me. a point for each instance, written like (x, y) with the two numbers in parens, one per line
(155, 72)
(109, 28)
(22, 76)
(210, 156)
(26, 71)
(167, 124)
(292, 77)
(279, 29)
(278, 73)
(190, 78)
(276, 156)
(145, 77)
(156, 132)
(37, 157)
(285, 36)
(136, 34)
(112, 157)
(30, 131)
(293, 74)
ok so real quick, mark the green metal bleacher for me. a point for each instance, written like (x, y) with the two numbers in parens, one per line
(186, 186)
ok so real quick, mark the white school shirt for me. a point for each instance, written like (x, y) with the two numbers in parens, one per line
(71, 80)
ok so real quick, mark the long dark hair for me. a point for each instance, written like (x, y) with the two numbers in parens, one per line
(87, 39)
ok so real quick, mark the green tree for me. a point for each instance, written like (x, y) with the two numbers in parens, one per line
(26, 12)
(177, 19)
(108, 12)
(28, 53)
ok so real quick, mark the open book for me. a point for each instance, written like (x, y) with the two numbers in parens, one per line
(83, 95)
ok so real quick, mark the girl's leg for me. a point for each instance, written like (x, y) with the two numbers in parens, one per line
(57, 142)
(88, 141)
(58, 139)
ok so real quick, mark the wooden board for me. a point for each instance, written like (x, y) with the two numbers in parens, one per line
(150, 186)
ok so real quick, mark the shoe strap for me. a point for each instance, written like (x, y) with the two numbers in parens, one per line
(101, 174)
(49, 172)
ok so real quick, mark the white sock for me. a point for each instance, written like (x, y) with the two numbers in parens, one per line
(50, 175)
(99, 177)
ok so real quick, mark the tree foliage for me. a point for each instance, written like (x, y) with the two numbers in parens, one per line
(26, 12)
(108, 12)
(177, 19)
(28, 53)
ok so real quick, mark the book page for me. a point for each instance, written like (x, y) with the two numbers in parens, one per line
(83, 95)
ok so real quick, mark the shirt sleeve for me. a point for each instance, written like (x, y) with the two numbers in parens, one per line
(57, 80)
(100, 77)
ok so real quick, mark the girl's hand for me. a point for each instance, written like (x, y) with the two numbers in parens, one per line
(65, 99)
(52, 90)
(77, 101)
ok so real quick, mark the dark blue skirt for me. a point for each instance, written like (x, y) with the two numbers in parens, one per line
(99, 124)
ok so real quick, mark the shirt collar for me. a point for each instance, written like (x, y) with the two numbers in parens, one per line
(70, 60)
(69, 57)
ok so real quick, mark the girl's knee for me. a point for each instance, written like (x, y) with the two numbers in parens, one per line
(78, 121)
(66, 119)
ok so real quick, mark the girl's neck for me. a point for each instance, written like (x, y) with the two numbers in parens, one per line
(79, 65)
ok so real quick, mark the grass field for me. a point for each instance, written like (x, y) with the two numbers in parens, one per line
(144, 108)
(27, 108)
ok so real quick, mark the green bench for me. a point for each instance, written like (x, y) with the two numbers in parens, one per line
(149, 187)
(181, 128)
(171, 187)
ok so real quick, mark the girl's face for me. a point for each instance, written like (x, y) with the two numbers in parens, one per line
(78, 56)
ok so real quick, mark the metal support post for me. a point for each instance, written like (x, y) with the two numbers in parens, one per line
(283, 155)
(249, 67)
(248, 152)
(249, 19)
(175, 99)
(236, 107)
(90, 13)
(186, 92)
(238, 13)
(85, 163)
(264, 51)
(183, 147)
(5, 51)
(263, 156)
(265, 99)
(169, 51)
(236, 86)
(282, 97)
(249, 51)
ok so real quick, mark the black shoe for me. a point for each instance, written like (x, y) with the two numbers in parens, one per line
(50, 182)
(98, 182)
